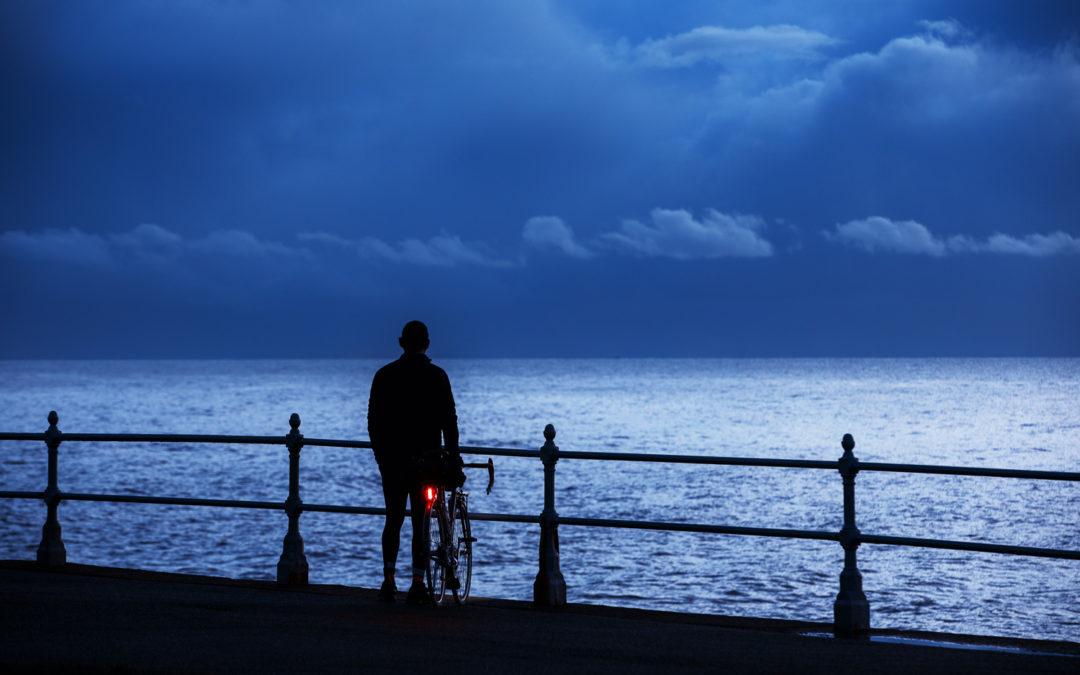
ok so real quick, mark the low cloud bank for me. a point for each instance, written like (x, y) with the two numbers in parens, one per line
(153, 244)
(146, 243)
(677, 234)
(444, 250)
(882, 235)
(550, 232)
(673, 233)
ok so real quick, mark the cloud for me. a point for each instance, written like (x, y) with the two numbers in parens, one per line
(882, 235)
(924, 81)
(242, 244)
(70, 245)
(876, 234)
(151, 242)
(676, 234)
(551, 232)
(716, 44)
(443, 250)
(448, 250)
(943, 119)
(947, 28)
(146, 243)
(230, 268)
(222, 268)
(1036, 245)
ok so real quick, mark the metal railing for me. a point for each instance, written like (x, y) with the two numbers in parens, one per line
(851, 611)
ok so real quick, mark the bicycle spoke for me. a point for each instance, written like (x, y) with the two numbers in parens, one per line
(462, 545)
(436, 578)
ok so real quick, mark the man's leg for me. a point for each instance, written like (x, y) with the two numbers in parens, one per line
(420, 552)
(418, 594)
(395, 493)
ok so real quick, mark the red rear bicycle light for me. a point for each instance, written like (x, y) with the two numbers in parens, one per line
(429, 493)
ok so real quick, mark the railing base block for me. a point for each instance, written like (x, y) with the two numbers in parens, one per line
(292, 573)
(292, 567)
(51, 551)
(550, 592)
(51, 556)
(851, 614)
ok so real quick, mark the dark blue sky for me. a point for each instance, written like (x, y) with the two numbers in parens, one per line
(563, 178)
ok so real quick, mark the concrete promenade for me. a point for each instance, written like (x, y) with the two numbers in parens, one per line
(91, 619)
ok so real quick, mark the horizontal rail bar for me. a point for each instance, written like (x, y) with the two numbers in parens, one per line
(181, 501)
(819, 464)
(335, 443)
(499, 452)
(697, 527)
(337, 508)
(221, 439)
(586, 522)
(464, 449)
(570, 454)
(504, 517)
(11, 436)
(191, 501)
(969, 546)
(16, 494)
(968, 471)
(695, 459)
(379, 511)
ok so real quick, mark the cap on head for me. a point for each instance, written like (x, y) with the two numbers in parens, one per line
(414, 336)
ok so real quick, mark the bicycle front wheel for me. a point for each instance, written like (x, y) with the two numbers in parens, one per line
(436, 548)
(463, 541)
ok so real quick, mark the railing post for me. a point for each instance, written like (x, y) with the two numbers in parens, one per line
(549, 589)
(51, 551)
(292, 567)
(851, 611)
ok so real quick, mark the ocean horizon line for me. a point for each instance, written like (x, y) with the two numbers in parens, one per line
(389, 355)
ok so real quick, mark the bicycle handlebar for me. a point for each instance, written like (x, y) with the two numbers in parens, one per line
(490, 466)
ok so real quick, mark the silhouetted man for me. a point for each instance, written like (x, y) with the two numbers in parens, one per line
(410, 414)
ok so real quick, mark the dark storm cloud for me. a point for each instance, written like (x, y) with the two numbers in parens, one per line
(269, 115)
(370, 163)
(921, 126)
(477, 117)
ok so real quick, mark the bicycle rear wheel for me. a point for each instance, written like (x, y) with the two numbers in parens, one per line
(463, 540)
(436, 571)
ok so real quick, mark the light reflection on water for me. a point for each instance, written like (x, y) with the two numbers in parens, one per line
(1008, 413)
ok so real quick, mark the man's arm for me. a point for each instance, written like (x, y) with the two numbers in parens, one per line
(375, 414)
(449, 423)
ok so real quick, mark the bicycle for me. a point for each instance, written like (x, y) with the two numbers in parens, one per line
(449, 539)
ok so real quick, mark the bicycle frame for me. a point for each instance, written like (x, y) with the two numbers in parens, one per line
(450, 520)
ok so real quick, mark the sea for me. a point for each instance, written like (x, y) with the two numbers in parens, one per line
(1008, 413)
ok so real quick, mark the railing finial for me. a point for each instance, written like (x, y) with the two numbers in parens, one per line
(294, 421)
(53, 418)
(549, 432)
(848, 443)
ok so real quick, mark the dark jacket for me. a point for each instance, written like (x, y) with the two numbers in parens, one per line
(410, 411)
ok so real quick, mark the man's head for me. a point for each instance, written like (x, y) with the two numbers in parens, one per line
(414, 337)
